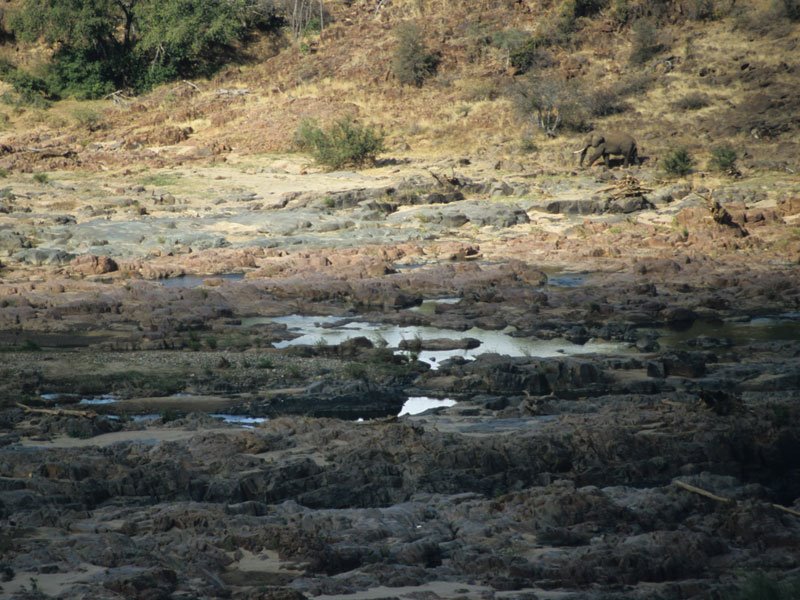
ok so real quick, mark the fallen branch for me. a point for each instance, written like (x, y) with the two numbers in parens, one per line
(786, 509)
(118, 97)
(58, 412)
(696, 490)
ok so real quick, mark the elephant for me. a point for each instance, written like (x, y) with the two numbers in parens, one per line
(605, 144)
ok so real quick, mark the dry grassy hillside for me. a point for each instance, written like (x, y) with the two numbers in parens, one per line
(730, 78)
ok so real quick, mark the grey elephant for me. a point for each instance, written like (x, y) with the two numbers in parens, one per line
(606, 144)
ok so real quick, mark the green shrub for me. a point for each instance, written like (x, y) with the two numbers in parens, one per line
(723, 158)
(678, 162)
(265, 363)
(413, 62)
(29, 89)
(41, 178)
(345, 142)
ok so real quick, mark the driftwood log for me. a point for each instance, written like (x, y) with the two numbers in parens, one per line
(58, 412)
(706, 494)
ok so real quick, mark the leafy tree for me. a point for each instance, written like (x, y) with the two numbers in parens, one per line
(79, 24)
(550, 103)
(101, 45)
(180, 38)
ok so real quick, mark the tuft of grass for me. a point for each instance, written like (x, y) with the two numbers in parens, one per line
(160, 179)
(692, 101)
(356, 370)
(294, 372)
(41, 178)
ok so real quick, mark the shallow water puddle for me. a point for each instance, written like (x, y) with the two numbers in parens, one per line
(784, 327)
(419, 404)
(192, 281)
(334, 330)
(241, 420)
(567, 279)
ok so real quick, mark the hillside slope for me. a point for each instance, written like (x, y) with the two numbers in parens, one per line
(729, 79)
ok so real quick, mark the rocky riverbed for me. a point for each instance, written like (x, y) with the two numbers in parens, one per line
(621, 357)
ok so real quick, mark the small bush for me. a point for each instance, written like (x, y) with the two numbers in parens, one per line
(527, 144)
(605, 102)
(531, 54)
(41, 178)
(693, 101)
(646, 43)
(700, 10)
(678, 162)
(344, 143)
(88, 118)
(620, 11)
(723, 158)
(356, 370)
(413, 62)
(788, 8)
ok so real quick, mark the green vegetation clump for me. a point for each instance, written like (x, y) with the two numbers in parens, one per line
(345, 143)
(723, 158)
(678, 162)
(413, 62)
(105, 45)
(28, 89)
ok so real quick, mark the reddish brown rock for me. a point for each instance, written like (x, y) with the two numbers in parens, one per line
(89, 264)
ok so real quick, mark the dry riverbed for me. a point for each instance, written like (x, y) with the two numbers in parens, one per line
(204, 367)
